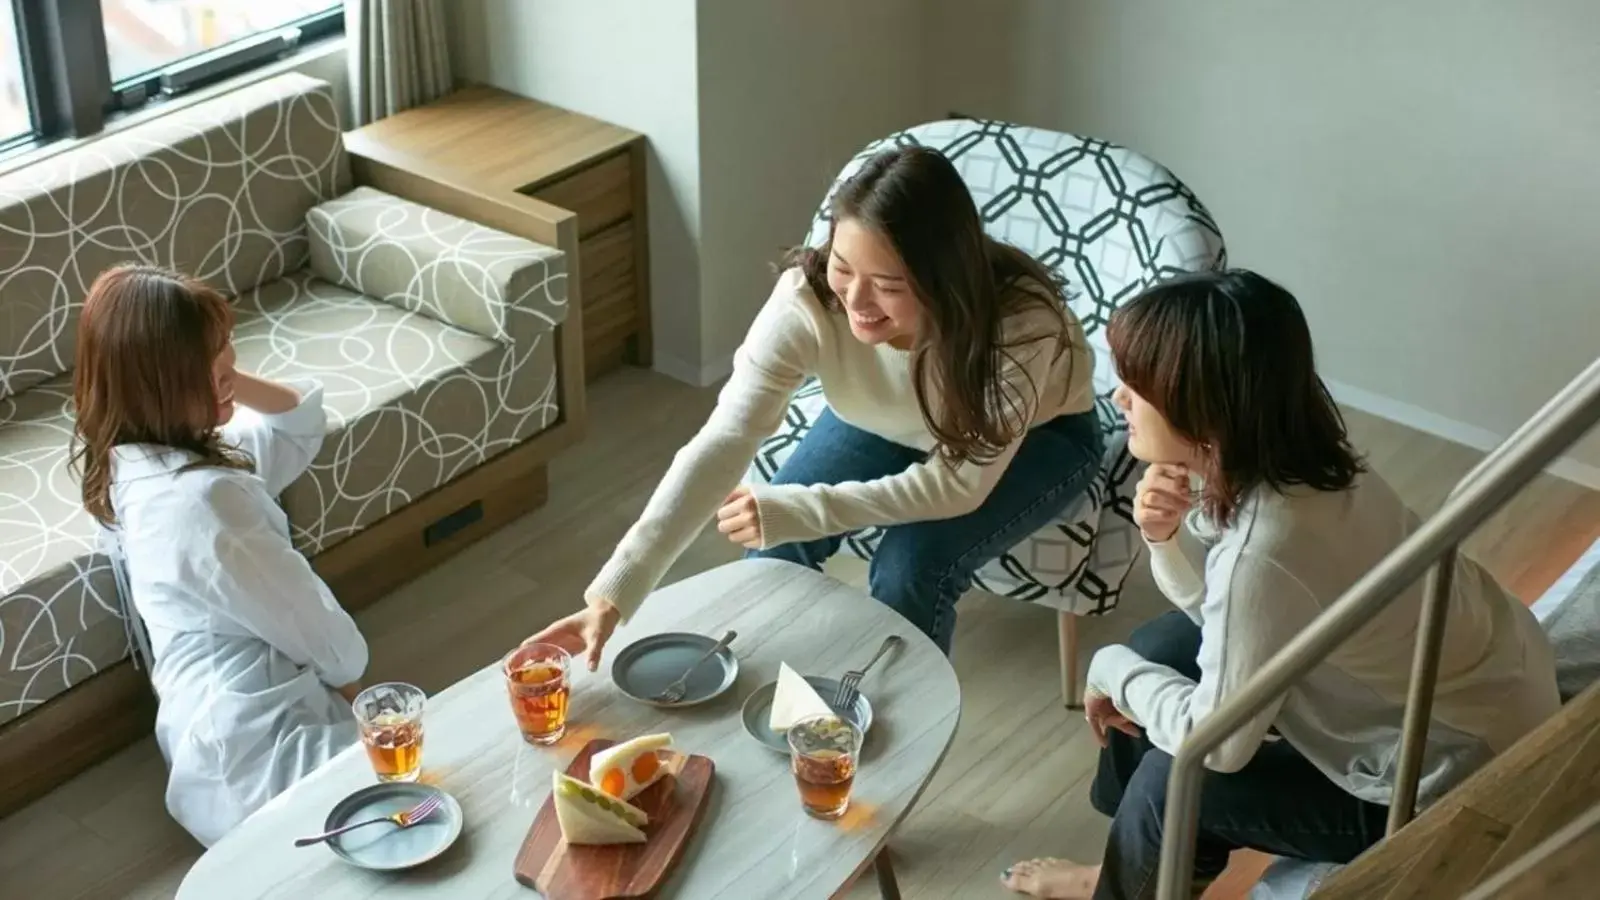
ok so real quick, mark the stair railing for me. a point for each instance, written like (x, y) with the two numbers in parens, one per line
(1432, 547)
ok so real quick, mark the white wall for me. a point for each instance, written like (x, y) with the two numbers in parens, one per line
(1424, 175)
(632, 63)
(751, 107)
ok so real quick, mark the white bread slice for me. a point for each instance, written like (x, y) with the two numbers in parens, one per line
(622, 757)
(587, 816)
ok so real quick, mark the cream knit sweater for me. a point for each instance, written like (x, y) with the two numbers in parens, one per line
(794, 337)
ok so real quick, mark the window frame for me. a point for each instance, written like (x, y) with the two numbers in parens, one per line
(68, 98)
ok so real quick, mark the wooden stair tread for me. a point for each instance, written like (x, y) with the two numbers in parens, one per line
(1559, 872)
(1572, 792)
(1505, 790)
(1453, 860)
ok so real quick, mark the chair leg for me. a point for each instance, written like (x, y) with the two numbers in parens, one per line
(1071, 677)
(888, 888)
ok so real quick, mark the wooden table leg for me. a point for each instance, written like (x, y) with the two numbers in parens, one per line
(888, 888)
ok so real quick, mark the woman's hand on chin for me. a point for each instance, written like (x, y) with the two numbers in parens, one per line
(1161, 500)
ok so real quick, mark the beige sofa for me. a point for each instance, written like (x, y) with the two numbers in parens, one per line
(436, 338)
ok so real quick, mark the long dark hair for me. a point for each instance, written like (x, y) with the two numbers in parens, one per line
(147, 340)
(968, 283)
(1226, 358)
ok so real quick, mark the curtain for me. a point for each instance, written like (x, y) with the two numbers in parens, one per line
(399, 55)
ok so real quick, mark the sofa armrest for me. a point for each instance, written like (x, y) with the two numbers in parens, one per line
(461, 273)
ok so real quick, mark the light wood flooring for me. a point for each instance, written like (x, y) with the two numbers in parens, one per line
(1013, 786)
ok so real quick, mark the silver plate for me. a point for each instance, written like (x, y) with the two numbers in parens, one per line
(647, 666)
(385, 847)
(758, 711)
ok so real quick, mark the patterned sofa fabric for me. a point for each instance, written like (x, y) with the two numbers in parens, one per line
(1111, 222)
(434, 339)
(413, 401)
(219, 190)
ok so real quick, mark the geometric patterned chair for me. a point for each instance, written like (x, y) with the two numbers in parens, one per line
(1111, 222)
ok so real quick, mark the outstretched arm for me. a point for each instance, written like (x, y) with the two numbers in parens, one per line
(777, 354)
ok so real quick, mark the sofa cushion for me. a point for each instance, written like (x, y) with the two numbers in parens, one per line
(412, 403)
(219, 190)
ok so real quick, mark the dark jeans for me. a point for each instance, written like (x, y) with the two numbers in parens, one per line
(921, 569)
(1279, 803)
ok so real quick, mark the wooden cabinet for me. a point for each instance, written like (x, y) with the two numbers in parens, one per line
(608, 196)
(500, 148)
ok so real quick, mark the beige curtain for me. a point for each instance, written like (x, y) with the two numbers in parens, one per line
(399, 55)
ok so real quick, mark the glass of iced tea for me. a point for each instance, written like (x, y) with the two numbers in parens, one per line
(390, 718)
(537, 680)
(823, 752)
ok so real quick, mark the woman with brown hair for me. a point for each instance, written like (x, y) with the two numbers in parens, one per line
(960, 408)
(1220, 388)
(181, 457)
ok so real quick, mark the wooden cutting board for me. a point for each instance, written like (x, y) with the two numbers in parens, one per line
(561, 871)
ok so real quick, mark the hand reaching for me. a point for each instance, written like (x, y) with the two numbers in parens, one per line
(582, 634)
(739, 520)
(1160, 501)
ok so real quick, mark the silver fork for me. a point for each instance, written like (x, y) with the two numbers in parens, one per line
(675, 691)
(404, 818)
(850, 684)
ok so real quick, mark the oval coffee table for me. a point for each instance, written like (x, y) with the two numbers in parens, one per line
(754, 840)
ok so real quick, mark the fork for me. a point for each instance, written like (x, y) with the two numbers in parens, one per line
(674, 692)
(850, 684)
(404, 818)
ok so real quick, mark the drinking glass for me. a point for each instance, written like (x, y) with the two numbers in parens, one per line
(823, 752)
(537, 680)
(390, 718)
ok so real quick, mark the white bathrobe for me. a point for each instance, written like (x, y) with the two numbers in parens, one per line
(248, 643)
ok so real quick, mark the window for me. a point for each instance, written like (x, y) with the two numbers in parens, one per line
(143, 36)
(68, 65)
(16, 119)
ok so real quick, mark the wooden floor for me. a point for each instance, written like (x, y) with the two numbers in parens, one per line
(1013, 786)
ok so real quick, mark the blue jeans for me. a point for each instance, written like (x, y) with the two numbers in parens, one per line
(921, 569)
(1279, 803)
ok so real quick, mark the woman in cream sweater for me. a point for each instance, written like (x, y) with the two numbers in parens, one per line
(960, 404)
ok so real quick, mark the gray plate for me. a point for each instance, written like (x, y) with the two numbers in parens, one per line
(758, 711)
(386, 847)
(645, 667)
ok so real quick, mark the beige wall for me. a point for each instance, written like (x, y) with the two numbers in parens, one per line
(633, 63)
(788, 93)
(1424, 175)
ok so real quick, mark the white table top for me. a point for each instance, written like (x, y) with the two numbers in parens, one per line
(754, 841)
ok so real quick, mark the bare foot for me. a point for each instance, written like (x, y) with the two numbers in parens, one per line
(1052, 879)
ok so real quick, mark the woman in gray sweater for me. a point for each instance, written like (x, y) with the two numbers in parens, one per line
(1247, 449)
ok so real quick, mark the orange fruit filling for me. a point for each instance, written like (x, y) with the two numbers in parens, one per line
(645, 766)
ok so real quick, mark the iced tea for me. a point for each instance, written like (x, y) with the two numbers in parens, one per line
(823, 751)
(536, 680)
(394, 746)
(390, 719)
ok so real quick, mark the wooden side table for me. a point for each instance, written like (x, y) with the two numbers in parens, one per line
(519, 157)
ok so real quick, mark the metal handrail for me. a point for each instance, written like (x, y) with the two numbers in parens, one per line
(1500, 476)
